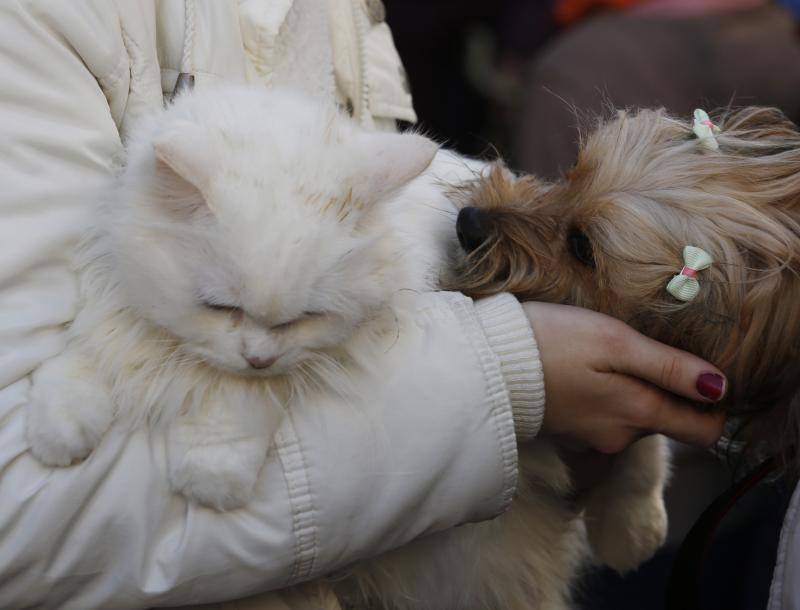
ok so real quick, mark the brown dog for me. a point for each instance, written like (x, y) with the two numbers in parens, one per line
(610, 235)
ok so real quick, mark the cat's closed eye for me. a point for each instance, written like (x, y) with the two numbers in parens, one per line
(222, 307)
(306, 315)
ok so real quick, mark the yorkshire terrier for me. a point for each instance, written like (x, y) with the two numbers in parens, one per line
(688, 232)
(612, 234)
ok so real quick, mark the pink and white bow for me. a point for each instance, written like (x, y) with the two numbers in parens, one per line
(685, 285)
(705, 130)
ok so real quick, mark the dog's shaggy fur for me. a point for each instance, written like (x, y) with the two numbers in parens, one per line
(609, 237)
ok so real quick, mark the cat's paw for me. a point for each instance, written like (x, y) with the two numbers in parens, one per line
(67, 418)
(220, 475)
(627, 530)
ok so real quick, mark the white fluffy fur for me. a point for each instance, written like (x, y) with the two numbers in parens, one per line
(269, 205)
(309, 229)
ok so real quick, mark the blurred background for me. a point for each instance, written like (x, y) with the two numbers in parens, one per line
(517, 78)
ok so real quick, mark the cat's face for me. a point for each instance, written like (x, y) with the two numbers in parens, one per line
(255, 236)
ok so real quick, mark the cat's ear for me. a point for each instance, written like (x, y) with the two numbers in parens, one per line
(389, 161)
(187, 150)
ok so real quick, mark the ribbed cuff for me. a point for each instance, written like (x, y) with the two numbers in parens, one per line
(511, 338)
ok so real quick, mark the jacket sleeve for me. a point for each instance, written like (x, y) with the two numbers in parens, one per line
(429, 446)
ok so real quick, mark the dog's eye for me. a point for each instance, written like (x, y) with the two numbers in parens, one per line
(581, 247)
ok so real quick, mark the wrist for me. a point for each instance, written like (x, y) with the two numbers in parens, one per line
(512, 340)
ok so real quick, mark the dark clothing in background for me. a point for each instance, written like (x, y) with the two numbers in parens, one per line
(628, 60)
(624, 58)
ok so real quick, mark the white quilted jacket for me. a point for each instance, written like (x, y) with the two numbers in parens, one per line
(437, 447)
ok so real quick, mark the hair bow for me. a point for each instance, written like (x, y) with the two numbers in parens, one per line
(685, 286)
(705, 130)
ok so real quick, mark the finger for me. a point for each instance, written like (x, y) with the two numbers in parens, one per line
(671, 369)
(682, 421)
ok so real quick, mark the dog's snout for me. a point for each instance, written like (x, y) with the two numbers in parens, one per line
(472, 228)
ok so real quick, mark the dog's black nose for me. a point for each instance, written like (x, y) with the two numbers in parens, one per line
(472, 228)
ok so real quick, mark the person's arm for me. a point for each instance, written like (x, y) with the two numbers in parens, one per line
(427, 443)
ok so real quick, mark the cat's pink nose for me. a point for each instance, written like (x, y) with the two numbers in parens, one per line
(260, 363)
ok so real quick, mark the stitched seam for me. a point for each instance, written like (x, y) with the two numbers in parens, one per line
(512, 340)
(113, 76)
(362, 29)
(265, 58)
(172, 71)
(135, 54)
(261, 57)
(500, 411)
(385, 109)
(301, 500)
(187, 49)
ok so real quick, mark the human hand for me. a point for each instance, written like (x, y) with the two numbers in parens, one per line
(608, 385)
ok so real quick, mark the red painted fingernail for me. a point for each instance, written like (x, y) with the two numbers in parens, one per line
(711, 385)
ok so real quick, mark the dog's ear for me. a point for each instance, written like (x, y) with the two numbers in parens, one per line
(759, 165)
(764, 143)
(759, 124)
(759, 213)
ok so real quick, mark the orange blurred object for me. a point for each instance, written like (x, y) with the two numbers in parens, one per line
(568, 11)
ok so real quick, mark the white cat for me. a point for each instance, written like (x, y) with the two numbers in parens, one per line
(255, 246)
(254, 240)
